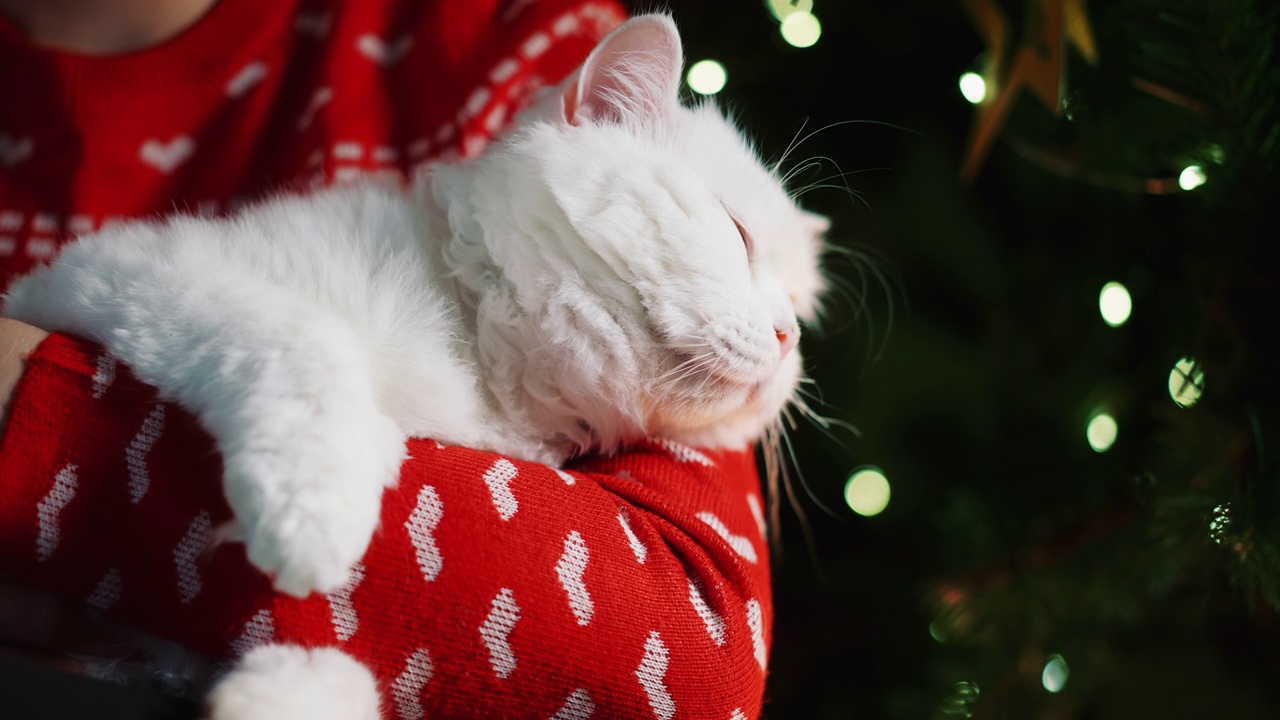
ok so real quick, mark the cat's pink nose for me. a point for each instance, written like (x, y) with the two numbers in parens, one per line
(787, 339)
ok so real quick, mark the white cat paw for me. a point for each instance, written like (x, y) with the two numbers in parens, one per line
(311, 502)
(286, 682)
(311, 550)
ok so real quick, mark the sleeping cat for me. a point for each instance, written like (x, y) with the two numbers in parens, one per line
(614, 266)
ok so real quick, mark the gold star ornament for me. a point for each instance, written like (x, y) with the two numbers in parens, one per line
(1037, 64)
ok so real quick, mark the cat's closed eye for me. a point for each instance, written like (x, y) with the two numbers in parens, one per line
(746, 237)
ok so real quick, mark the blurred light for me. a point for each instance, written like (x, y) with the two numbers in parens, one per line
(706, 77)
(1192, 177)
(1055, 674)
(1220, 522)
(867, 492)
(1186, 382)
(973, 87)
(1102, 432)
(1115, 304)
(1072, 105)
(781, 9)
(936, 632)
(801, 29)
(962, 700)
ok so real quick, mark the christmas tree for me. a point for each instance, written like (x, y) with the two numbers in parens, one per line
(1050, 328)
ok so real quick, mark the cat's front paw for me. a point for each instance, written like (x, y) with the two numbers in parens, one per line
(310, 511)
(313, 549)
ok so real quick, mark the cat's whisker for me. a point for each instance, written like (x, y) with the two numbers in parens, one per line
(869, 274)
(797, 194)
(838, 288)
(825, 423)
(796, 144)
(686, 346)
(790, 175)
(779, 468)
(802, 396)
(790, 146)
(679, 386)
(825, 183)
(841, 174)
(813, 162)
(856, 296)
(690, 362)
(682, 372)
(791, 453)
(866, 264)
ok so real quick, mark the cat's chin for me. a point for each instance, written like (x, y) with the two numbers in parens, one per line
(734, 434)
(734, 421)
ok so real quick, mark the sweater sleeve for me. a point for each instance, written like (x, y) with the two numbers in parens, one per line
(631, 586)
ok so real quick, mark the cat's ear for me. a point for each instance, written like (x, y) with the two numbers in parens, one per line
(633, 73)
(814, 224)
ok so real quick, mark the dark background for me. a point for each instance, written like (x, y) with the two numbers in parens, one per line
(969, 352)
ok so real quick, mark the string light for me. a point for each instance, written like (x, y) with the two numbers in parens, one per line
(1101, 432)
(706, 77)
(1219, 523)
(801, 29)
(1054, 675)
(1192, 177)
(867, 491)
(1186, 382)
(973, 87)
(781, 9)
(961, 701)
(1115, 304)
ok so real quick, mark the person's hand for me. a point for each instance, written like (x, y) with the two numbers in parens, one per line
(55, 655)
(17, 340)
(51, 631)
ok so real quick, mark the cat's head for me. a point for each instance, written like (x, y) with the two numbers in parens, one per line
(640, 271)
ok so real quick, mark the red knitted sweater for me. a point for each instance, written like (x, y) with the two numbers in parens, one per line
(634, 586)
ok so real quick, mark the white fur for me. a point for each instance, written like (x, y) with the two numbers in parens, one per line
(287, 682)
(580, 285)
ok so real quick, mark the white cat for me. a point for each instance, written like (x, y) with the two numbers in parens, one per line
(615, 266)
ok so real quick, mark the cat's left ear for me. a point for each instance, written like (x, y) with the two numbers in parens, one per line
(814, 224)
(633, 73)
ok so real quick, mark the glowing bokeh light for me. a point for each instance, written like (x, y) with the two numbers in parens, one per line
(1054, 675)
(1102, 432)
(781, 9)
(801, 29)
(1219, 523)
(1192, 177)
(961, 702)
(973, 87)
(1115, 304)
(706, 77)
(1186, 382)
(867, 491)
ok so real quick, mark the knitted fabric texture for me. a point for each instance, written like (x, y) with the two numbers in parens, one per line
(636, 585)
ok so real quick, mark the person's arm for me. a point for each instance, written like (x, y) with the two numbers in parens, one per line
(17, 341)
(637, 585)
(95, 27)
